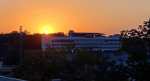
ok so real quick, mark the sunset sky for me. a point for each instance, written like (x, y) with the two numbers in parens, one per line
(105, 16)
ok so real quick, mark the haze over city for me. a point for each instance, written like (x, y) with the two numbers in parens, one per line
(104, 16)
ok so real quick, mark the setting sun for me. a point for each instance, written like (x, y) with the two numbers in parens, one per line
(46, 29)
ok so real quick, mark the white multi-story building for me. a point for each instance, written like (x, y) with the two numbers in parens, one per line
(104, 43)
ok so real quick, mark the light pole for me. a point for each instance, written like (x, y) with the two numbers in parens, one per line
(21, 44)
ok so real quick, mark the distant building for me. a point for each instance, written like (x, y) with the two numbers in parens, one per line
(83, 40)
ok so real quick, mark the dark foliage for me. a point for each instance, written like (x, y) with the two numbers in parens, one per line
(136, 43)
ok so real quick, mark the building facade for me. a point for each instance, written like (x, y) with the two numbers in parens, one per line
(104, 43)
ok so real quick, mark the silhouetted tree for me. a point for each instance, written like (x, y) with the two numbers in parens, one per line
(136, 43)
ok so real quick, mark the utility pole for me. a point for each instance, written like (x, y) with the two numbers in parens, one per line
(21, 43)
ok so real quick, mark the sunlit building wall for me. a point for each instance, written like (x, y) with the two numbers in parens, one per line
(103, 43)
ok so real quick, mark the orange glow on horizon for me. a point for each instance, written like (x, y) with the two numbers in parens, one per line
(46, 29)
(78, 15)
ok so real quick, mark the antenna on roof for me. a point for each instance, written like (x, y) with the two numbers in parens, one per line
(20, 29)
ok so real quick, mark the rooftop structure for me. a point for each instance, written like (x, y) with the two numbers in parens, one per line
(85, 34)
